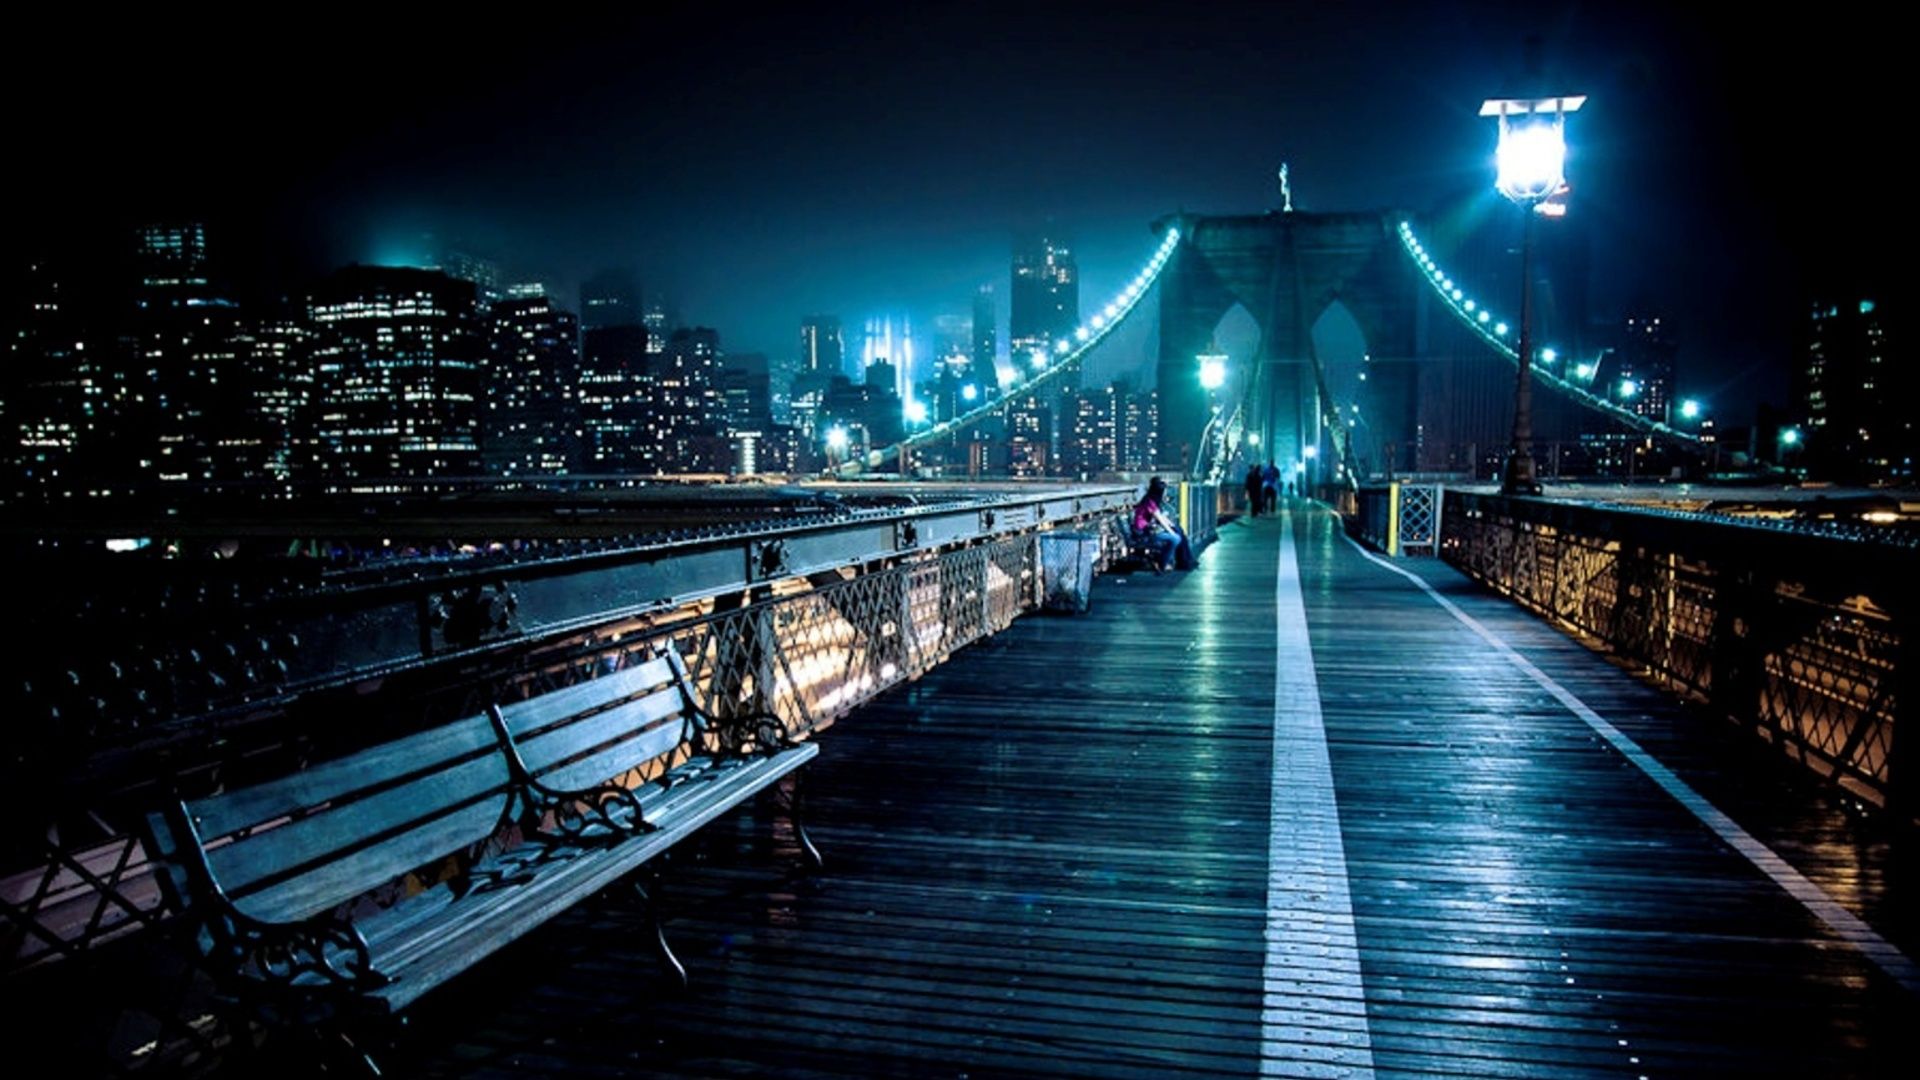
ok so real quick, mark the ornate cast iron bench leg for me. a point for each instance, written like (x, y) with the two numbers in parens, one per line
(797, 813)
(646, 885)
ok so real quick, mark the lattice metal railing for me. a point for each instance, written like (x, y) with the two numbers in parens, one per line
(1399, 519)
(1800, 637)
(809, 649)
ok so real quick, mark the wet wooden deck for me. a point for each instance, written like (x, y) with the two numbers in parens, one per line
(1063, 854)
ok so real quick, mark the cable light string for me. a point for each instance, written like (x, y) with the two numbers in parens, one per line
(1066, 352)
(1494, 332)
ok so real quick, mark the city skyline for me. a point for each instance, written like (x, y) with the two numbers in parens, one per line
(752, 207)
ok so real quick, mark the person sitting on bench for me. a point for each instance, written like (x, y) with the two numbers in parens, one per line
(1150, 519)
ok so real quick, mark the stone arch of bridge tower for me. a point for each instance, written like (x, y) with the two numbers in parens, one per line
(1287, 270)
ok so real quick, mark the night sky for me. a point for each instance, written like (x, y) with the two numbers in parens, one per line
(868, 159)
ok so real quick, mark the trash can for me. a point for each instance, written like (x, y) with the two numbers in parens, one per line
(1066, 570)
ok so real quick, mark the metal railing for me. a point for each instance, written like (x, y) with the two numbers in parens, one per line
(806, 619)
(1800, 637)
(1400, 518)
(840, 615)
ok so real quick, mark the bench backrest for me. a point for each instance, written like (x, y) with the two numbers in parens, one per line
(305, 843)
(588, 734)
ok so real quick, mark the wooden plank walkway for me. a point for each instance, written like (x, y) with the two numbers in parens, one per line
(1054, 856)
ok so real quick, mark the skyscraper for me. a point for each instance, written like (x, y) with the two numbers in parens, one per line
(1642, 375)
(183, 373)
(397, 375)
(655, 320)
(1045, 308)
(822, 348)
(1854, 400)
(1030, 435)
(44, 400)
(985, 332)
(532, 373)
(689, 417)
(1139, 431)
(616, 394)
(1046, 298)
(609, 298)
(270, 441)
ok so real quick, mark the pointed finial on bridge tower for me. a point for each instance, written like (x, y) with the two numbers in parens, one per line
(1286, 191)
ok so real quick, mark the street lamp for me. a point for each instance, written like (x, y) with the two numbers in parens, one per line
(1531, 163)
(837, 440)
(1213, 371)
(1690, 409)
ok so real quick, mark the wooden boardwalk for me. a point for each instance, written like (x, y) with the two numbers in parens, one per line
(1064, 854)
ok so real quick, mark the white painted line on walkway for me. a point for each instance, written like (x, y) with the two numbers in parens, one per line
(1313, 1015)
(1845, 924)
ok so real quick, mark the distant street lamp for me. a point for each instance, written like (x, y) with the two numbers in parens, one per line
(1531, 168)
(1213, 370)
(1690, 409)
(837, 440)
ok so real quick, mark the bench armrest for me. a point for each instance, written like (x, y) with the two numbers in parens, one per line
(604, 814)
(578, 814)
(322, 951)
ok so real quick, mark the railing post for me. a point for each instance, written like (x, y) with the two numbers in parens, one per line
(1393, 520)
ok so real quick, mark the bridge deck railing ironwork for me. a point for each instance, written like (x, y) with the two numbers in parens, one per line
(806, 619)
(1801, 637)
(1400, 518)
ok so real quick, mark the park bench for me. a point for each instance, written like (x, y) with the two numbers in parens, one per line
(547, 791)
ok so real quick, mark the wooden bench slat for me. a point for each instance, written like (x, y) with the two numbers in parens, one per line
(529, 716)
(342, 880)
(429, 818)
(612, 742)
(223, 815)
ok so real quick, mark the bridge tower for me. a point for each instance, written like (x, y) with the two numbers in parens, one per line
(1286, 269)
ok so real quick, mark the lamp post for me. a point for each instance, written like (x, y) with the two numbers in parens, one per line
(1532, 160)
(837, 442)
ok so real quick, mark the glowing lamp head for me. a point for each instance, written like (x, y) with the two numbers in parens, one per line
(837, 438)
(1005, 376)
(1038, 358)
(1310, 452)
(1628, 388)
(1790, 436)
(916, 412)
(1213, 372)
(1532, 158)
(1253, 438)
(1548, 356)
(1690, 409)
(1585, 371)
(969, 392)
